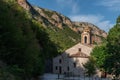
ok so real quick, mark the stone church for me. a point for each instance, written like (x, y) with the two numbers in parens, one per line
(72, 60)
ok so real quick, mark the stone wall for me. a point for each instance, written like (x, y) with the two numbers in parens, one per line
(67, 63)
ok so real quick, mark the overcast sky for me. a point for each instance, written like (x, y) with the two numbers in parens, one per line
(102, 13)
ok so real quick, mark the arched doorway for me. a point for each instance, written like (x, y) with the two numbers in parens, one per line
(85, 39)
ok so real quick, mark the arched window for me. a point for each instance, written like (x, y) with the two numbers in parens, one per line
(60, 60)
(85, 39)
(74, 65)
(68, 68)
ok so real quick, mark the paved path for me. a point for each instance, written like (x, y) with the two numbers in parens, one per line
(61, 77)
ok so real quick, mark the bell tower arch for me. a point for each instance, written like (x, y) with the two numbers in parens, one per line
(86, 36)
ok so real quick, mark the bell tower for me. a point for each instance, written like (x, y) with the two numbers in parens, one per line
(86, 36)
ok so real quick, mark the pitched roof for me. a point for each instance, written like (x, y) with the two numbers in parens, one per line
(84, 48)
(80, 55)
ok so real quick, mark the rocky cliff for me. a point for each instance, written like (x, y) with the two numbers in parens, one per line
(54, 19)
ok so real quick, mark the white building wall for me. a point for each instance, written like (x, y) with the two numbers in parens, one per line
(69, 62)
(84, 48)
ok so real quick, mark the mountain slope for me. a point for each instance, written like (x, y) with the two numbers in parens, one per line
(59, 20)
(57, 25)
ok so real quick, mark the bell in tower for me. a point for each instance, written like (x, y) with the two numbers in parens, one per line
(86, 36)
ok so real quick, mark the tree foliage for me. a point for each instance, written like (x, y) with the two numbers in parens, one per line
(63, 38)
(18, 45)
(24, 45)
(108, 56)
(112, 63)
(118, 20)
(90, 67)
(100, 54)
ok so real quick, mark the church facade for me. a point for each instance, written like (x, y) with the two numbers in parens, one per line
(73, 59)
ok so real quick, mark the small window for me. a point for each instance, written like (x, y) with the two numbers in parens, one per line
(68, 68)
(56, 68)
(64, 73)
(74, 65)
(79, 49)
(60, 61)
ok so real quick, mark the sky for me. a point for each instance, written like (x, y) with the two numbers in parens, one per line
(102, 13)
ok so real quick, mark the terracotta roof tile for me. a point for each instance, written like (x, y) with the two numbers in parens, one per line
(79, 54)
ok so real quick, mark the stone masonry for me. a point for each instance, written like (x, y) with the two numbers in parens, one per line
(73, 59)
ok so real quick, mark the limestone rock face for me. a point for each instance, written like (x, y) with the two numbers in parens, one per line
(54, 19)
(95, 29)
(24, 4)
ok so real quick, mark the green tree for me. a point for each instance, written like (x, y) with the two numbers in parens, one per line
(90, 67)
(24, 44)
(99, 53)
(118, 20)
(112, 62)
(18, 44)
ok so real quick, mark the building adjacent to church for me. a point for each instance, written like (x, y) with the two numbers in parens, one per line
(72, 60)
